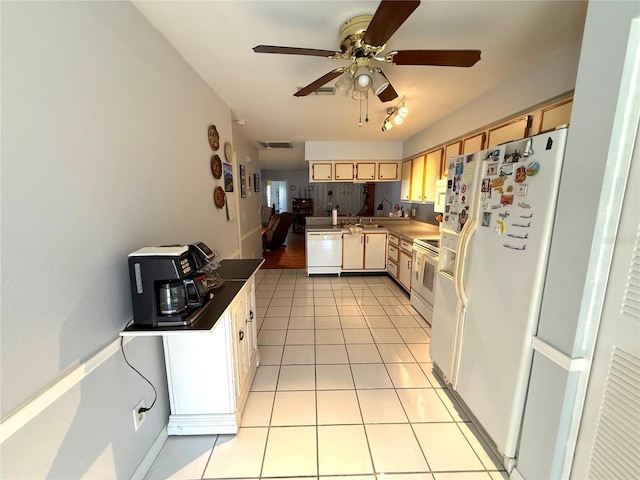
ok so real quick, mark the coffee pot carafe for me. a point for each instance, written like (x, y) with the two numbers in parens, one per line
(172, 298)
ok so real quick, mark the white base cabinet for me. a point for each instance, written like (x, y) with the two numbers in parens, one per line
(365, 251)
(209, 374)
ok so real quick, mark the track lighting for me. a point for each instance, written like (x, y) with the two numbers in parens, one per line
(395, 115)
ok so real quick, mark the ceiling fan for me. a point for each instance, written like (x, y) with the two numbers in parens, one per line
(362, 40)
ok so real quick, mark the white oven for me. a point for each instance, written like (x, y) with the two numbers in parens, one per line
(423, 281)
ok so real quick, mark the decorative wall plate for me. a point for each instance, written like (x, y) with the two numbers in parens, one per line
(216, 166)
(214, 138)
(228, 152)
(219, 197)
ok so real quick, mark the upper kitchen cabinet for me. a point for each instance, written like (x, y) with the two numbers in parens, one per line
(320, 172)
(432, 169)
(514, 130)
(450, 150)
(388, 171)
(474, 143)
(425, 171)
(555, 115)
(366, 171)
(405, 186)
(343, 171)
(417, 179)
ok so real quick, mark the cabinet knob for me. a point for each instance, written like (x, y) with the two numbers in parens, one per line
(250, 314)
(241, 335)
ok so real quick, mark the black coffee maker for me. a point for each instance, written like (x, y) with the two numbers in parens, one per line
(166, 287)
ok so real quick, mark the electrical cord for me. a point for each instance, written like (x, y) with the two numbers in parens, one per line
(155, 393)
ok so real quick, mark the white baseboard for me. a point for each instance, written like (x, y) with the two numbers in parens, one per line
(515, 475)
(150, 457)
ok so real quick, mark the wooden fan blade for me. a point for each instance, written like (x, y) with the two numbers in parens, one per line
(294, 51)
(387, 19)
(443, 58)
(313, 86)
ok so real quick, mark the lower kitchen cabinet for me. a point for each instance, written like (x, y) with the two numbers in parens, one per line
(365, 251)
(404, 269)
(209, 373)
(375, 251)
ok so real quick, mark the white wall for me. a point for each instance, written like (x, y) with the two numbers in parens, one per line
(553, 390)
(105, 150)
(554, 75)
(353, 150)
(249, 206)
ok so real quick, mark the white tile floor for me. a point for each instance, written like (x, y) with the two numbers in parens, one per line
(344, 387)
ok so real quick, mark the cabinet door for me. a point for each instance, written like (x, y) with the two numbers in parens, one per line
(392, 268)
(514, 130)
(387, 171)
(404, 269)
(365, 171)
(555, 115)
(433, 162)
(375, 251)
(405, 186)
(238, 340)
(344, 171)
(417, 179)
(473, 144)
(450, 150)
(251, 322)
(352, 252)
(320, 171)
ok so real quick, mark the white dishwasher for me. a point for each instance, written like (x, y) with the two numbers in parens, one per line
(324, 252)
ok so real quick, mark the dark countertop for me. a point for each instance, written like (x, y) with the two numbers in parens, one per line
(236, 273)
(239, 269)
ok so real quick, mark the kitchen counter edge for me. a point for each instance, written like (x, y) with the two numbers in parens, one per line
(409, 231)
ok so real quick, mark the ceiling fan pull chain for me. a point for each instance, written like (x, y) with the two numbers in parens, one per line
(366, 117)
(360, 118)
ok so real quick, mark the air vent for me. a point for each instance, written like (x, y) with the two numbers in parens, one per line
(276, 144)
(322, 91)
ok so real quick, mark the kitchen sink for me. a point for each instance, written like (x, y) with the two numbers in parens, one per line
(362, 225)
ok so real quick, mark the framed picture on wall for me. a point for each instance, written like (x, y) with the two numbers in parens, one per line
(256, 182)
(227, 168)
(243, 182)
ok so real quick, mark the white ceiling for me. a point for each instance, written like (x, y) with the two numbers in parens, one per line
(217, 37)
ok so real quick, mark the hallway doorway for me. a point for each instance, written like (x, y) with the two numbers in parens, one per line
(277, 194)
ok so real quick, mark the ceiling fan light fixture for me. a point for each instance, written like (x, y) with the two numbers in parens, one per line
(362, 80)
(359, 94)
(403, 111)
(397, 119)
(387, 125)
(378, 82)
(344, 84)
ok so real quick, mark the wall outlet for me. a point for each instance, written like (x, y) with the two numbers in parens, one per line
(139, 417)
(413, 212)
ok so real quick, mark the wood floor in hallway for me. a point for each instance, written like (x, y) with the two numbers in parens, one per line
(291, 255)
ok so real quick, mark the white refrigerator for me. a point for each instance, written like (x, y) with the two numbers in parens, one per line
(460, 213)
(502, 201)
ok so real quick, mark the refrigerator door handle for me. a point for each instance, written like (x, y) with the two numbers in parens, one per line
(461, 259)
